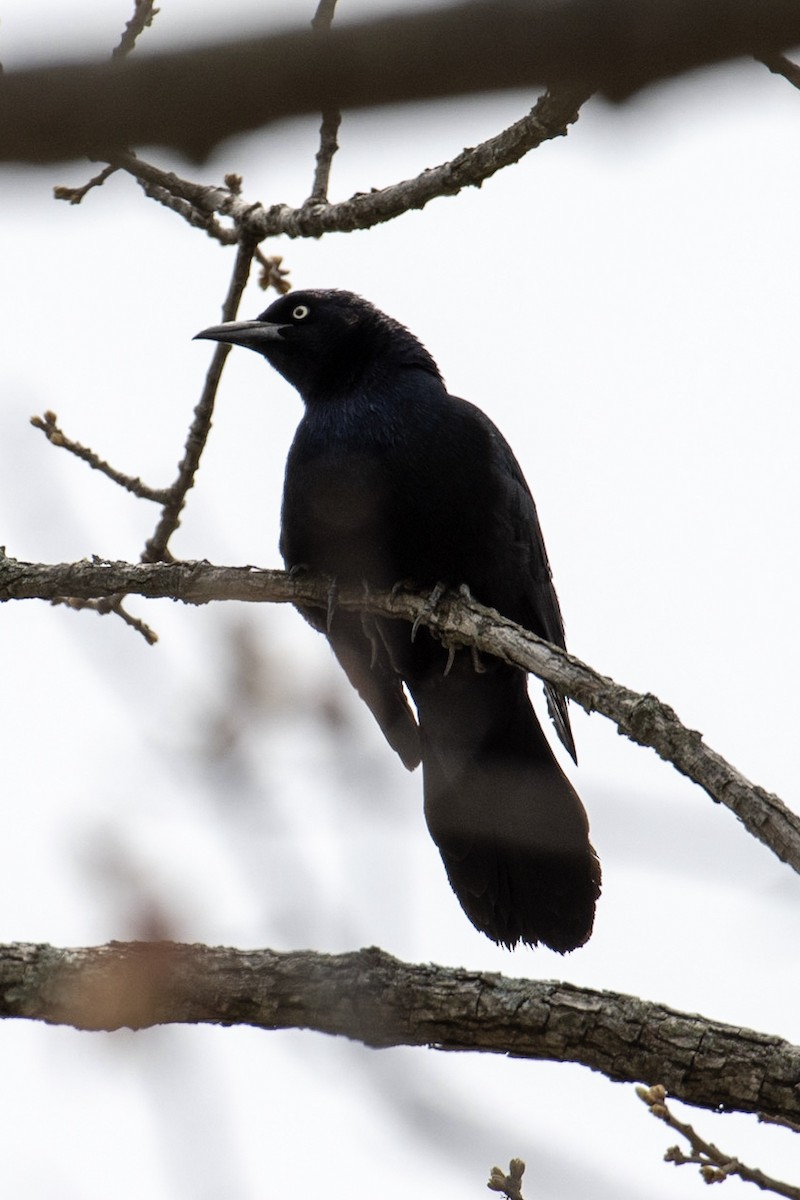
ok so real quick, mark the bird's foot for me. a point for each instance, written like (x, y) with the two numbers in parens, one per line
(428, 607)
(477, 661)
(402, 585)
(368, 626)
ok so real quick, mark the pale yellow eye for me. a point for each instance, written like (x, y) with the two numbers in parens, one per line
(300, 312)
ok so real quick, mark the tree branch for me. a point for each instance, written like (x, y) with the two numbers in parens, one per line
(331, 119)
(56, 436)
(193, 99)
(375, 999)
(156, 546)
(197, 203)
(715, 1165)
(457, 620)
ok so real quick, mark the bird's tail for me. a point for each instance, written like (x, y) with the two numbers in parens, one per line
(511, 830)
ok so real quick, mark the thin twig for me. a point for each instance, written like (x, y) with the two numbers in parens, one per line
(784, 1122)
(715, 1166)
(144, 12)
(156, 547)
(111, 605)
(331, 119)
(328, 145)
(194, 202)
(74, 195)
(779, 64)
(142, 19)
(49, 427)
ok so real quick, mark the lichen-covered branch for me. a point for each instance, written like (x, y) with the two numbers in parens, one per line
(375, 999)
(194, 98)
(457, 620)
(553, 113)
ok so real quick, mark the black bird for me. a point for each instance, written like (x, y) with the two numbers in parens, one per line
(391, 479)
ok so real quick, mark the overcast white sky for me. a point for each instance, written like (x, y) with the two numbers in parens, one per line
(622, 304)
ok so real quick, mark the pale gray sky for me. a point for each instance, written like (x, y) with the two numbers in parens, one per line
(622, 305)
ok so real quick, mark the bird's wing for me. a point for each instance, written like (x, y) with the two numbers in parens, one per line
(362, 652)
(539, 609)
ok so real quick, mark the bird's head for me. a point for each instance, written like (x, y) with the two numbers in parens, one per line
(326, 342)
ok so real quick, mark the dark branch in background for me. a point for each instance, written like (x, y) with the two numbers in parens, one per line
(191, 100)
(331, 119)
(457, 620)
(715, 1166)
(375, 999)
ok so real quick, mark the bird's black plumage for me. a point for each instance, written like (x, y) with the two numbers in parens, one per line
(391, 479)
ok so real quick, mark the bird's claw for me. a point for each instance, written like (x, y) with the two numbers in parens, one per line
(477, 661)
(368, 627)
(428, 607)
(333, 596)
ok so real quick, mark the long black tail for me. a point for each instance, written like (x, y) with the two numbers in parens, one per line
(511, 830)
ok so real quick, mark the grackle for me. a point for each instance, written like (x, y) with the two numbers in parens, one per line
(391, 479)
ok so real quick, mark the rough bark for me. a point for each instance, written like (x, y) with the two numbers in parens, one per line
(457, 620)
(375, 999)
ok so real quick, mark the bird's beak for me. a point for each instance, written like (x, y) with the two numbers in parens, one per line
(251, 334)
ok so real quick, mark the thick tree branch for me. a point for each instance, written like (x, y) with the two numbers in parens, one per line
(375, 999)
(192, 99)
(457, 620)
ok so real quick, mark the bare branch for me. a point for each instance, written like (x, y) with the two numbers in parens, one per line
(143, 14)
(375, 999)
(192, 99)
(49, 427)
(113, 604)
(331, 119)
(156, 547)
(715, 1166)
(549, 118)
(323, 18)
(458, 621)
(74, 195)
(779, 64)
(328, 145)
(195, 202)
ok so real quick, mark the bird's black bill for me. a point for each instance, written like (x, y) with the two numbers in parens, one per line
(250, 334)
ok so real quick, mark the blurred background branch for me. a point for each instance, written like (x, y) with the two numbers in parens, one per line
(193, 99)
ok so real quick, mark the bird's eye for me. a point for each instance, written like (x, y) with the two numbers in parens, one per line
(300, 312)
